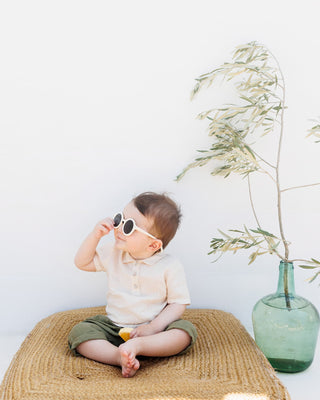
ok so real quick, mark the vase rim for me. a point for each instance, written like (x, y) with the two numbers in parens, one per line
(286, 262)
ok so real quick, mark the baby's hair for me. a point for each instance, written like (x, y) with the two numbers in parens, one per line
(163, 210)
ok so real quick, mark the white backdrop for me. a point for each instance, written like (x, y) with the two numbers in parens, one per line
(95, 108)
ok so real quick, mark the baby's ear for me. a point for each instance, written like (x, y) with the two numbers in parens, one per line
(156, 245)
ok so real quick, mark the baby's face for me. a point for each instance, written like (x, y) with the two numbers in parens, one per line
(137, 244)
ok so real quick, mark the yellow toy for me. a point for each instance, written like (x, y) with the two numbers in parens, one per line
(125, 333)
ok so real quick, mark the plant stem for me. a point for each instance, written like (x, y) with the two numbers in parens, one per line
(264, 171)
(298, 187)
(285, 286)
(285, 243)
(265, 161)
(251, 202)
(256, 218)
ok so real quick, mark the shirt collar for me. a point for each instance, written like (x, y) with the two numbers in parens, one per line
(126, 258)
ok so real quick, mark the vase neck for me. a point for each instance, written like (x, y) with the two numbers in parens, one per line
(286, 278)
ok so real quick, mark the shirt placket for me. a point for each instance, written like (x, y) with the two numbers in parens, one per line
(135, 278)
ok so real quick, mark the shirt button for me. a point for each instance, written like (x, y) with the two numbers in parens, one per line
(135, 286)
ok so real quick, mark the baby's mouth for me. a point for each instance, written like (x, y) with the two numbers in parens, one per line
(120, 238)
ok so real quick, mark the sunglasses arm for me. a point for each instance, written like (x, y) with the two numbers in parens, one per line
(149, 234)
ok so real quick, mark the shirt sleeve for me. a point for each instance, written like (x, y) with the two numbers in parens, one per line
(101, 259)
(177, 288)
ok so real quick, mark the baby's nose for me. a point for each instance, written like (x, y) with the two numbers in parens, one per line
(120, 227)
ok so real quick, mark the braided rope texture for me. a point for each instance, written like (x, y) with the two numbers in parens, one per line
(224, 364)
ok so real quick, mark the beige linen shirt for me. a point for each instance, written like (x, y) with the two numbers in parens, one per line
(138, 290)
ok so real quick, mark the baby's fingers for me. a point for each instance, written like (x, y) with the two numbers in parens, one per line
(107, 224)
(104, 227)
(133, 334)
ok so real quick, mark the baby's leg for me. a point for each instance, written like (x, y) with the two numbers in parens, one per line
(100, 350)
(162, 344)
(105, 352)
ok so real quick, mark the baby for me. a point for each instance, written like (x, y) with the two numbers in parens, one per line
(147, 288)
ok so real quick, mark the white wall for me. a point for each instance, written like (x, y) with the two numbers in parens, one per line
(95, 108)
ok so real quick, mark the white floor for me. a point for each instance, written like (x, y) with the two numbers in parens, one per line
(301, 386)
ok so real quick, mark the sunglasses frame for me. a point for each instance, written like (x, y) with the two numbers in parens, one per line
(134, 228)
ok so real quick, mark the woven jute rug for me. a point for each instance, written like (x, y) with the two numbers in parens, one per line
(225, 364)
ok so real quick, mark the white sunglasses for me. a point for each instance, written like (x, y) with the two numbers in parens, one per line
(129, 226)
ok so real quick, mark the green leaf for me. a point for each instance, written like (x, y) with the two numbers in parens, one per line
(274, 247)
(314, 277)
(262, 232)
(253, 256)
(224, 234)
(235, 230)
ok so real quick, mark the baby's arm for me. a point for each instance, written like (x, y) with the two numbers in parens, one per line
(84, 257)
(170, 313)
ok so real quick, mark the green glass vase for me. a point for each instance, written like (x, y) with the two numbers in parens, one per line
(286, 325)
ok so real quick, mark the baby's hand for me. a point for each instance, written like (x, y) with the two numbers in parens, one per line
(142, 330)
(103, 227)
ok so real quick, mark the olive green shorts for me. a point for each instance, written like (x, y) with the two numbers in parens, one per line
(101, 327)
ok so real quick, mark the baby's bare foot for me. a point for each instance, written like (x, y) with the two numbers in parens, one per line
(129, 363)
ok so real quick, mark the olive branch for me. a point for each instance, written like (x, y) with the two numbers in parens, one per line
(261, 90)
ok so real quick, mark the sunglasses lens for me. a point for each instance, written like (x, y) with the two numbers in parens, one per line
(117, 220)
(128, 227)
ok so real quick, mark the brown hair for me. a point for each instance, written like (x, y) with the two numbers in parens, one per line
(164, 211)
